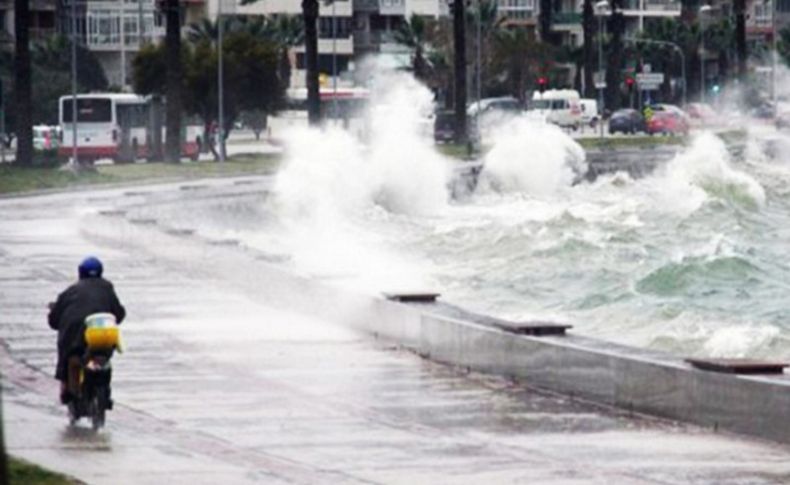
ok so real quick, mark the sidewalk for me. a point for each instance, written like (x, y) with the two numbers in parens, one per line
(218, 387)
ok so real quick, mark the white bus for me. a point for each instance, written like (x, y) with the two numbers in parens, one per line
(344, 106)
(117, 126)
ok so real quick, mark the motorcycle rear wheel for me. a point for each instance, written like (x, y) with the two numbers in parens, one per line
(100, 404)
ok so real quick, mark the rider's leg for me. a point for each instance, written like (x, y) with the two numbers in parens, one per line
(74, 368)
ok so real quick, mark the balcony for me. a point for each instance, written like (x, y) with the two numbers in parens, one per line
(646, 7)
(384, 7)
(567, 18)
(372, 41)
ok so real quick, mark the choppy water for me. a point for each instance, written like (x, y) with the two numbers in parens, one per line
(690, 259)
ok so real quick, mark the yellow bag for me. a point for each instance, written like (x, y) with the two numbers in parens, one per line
(102, 332)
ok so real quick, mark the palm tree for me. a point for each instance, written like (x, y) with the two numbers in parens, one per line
(309, 20)
(413, 34)
(784, 44)
(616, 24)
(174, 74)
(739, 8)
(720, 38)
(520, 60)
(23, 84)
(688, 11)
(288, 32)
(546, 21)
(487, 13)
(459, 46)
(54, 53)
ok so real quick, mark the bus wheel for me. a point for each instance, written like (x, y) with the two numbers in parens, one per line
(196, 154)
(135, 151)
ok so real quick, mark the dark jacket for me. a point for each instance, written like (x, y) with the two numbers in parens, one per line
(83, 298)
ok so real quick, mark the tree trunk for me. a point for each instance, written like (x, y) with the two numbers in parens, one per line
(545, 21)
(310, 17)
(588, 26)
(22, 84)
(459, 37)
(615, 56)
(739, 6)
(688, 11)
(173, 55)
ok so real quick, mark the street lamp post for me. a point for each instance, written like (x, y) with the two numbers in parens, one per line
(74, 159)
(703, 10)
(601, 9)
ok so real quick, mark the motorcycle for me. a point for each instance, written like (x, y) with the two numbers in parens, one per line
(91, 373)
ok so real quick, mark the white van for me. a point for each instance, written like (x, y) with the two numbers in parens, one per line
(559, 106)
(590, 115)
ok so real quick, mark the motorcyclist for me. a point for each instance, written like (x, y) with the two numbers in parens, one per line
(90, 294)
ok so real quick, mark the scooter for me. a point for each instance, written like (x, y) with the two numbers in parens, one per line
(90, 374)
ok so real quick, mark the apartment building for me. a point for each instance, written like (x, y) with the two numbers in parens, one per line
(335, 39)
(115, 29)
(637, 13)
(42, 20)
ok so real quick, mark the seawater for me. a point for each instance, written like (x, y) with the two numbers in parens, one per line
(690, 259)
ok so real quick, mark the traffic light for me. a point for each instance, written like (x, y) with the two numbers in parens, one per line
(629, 83)
(542, 81)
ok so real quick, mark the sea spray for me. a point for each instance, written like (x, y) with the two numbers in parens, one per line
(334, 187)
(703, 172)
(533, 157)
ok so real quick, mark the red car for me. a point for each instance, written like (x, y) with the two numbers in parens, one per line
(668, 123)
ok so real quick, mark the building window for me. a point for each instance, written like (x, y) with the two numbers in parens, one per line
(341, 28)
(325, 63)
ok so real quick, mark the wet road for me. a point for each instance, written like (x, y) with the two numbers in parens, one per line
(219, 387)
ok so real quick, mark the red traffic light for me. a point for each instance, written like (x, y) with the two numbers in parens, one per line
(629, 81)
(542, 81)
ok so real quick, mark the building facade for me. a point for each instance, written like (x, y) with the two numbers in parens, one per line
(114, 30)
(43, 20)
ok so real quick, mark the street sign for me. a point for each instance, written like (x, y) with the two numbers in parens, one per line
(650, 78)
(599, 79)
(649, 81)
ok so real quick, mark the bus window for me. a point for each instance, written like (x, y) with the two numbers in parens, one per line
(89, 110)
(132, 115)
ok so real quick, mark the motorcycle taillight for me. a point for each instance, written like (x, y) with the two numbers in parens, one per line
(97, 363)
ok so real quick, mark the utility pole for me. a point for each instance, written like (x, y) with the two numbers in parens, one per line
(140, 25)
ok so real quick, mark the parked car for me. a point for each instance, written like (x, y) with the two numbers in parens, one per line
(782, 120)
(702, 114)
(443, 126)
(668, 122)
(486, 105)
(46, 137)
(559, 106)
(627, 121)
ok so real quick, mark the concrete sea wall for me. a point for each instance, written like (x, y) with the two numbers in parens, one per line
(635, 379)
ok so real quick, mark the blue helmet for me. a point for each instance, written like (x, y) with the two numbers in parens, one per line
(90, 267)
